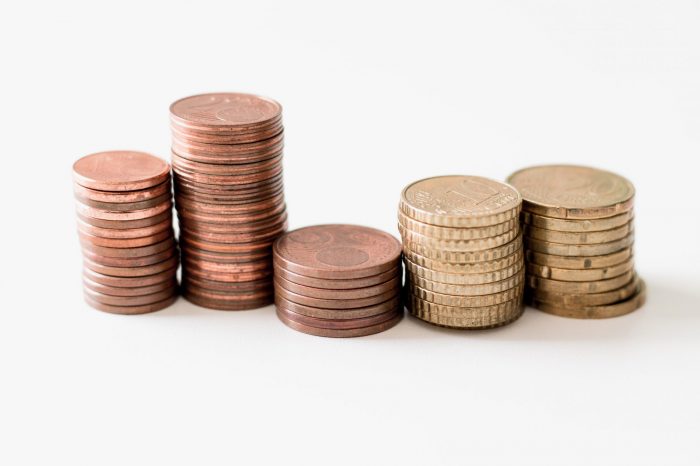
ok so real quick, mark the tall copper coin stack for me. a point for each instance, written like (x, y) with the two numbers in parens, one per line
(338, 280)
(463, 251)
(124, 206)
(227, 163)
(578, 234)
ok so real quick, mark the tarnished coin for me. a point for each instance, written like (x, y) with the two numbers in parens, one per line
(573, 192)
(337, 324)
(481, 244)
(464, 257)
(460, 201)
(393, 304)
(459, 234)
(469, 268)
(347, 294)
(579, 262)
(588, 299)
(465, 301)
(344, 333)
(582, 275)
(577, 226)
(120, 171)
(337, 284)
(129, 310)
(131, 271)
(334, 303)
(469, 318)
(561, 249)
(463, 278)
(580, 287)
(467, 290)
(577, 238)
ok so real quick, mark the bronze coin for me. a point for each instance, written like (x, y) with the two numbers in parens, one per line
(224, 305)
(333, 303)
(194, 269)
(337, 324)
(130, 310)
(393, 284)
(337, 251)
(263, 225)
(337, 284)
(120, 171)
(129, 252)
(127, 224)
(229, 219)
(243, 248)
(258, 206)
(131, 271)
(130, 281)
(241, 267)
(245, 198)
(226, 258)
(226, 190)
(123, 196)
(136, 291)
(125, 242)
(227, 153)
(229, 287)
(228, 180)
(268, 234)
(125, 206)
(184, 134)
(271, 162)
(125, 233)
(225, 111)
(130, 261)
(93, 212)
(213, 131)
(392, 304)
(130, 300)
(346, 333)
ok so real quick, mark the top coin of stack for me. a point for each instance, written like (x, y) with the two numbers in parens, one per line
(463, 251)
(227, 163)
(578, 234)
(338, 280)
(124, 206)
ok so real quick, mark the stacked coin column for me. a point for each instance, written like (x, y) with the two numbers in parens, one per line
(578, 233)
(463, 251)
(124, 205)
(227, 163)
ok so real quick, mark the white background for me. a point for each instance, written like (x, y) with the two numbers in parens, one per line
(375, 96)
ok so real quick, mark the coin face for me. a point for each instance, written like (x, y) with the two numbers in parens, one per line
(569, 191)
(460, 201)
(225, 109)
(120, 171)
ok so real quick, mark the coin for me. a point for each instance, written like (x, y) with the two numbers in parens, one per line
(130, 300)
(125, 242)
(130, 310)
(578, 238)
(583, 275)
(135, 291)
(94, 212)
(127, 224)
(466, 318)
(130, 261)
(337, 324)
(345, 294)
(580, 287)
(467, 290)
(227, 302)
(465, 301)
(464, 257)
(120, 171)
(89, 229)
(463, 278)
(457, 245)
(131, 271)
(337, 284)
(225, 111)
(345, 333)
(579, 262)
(130, 281)
(122, 197)
(450, 233)
(469, 268)
(588, 299)
(561, 249)
(128, 252)
(577, 226)
(340, 314)
(333, 303)
(194, 270)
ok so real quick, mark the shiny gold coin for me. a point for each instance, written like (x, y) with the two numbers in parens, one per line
(583, 275)
(463, 278)
(474, 318)
(464, 257)
(560, 249)
(465, 301)
(466, 290)
(597, 286)
(457, 245)
(577, 226)
(475, 267)
(588, 299)
(451, 233)
(566, 237)
(460, 201)
(626, 306)
(578, 263)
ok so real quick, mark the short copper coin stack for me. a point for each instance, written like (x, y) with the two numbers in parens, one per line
(578, 226)
(338, 280)
(124, 206)
(463, 251)
(227, 163)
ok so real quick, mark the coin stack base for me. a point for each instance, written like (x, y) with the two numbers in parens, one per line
(338, 280)
(124, 207)
(462, 252)
(578, 225)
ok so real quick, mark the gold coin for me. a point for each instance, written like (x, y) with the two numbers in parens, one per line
(576, 238)
(589, 299)
(575, 226)
(578, 263)
(583, 275)
(463, 278)
(464, 257)
(473, 318)
(464, 301)
(626, 306)
(451, 233)
(458, 245)
(597, 286)
(475, 267)
(573, 192)
(560, 249)
(460, 201)
(466, 290)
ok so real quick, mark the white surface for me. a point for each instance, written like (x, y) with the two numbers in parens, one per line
(375, 96)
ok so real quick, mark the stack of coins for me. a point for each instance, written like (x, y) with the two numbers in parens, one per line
(227, 163)
(124, 206)
(338, 280)
(578, 234)
(463, 251)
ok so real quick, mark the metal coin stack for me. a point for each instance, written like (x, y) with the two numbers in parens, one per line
(338, 280)
(227, 164)
(463, 251)
(124, 207)
(578, 234)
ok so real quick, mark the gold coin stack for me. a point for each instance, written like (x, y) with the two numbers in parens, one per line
(578, 233)
(463, 251)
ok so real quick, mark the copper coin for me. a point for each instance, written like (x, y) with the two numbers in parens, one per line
(337, 251)
(229, 248)
(130, 300)
(130, 310)
(125, 242)
(225, 111)
(93, 212)
(227, 258)
(228, 287)
(127, 224)
(392, 304)
(243, 198)
(125, 233)
(130, 252)
(337, 324)
(227, 153)
(120, 171)
(337, 284)
(263, 225)
(333, 303)
(136, 291)
(226, 209)
(228, 169)
(393, 284)
(130, 281)
(263, 235)
(130, 261)
(235, 139)
(225, 219)
(219, 189)
(228, 180)
(223, 305)
(131, 271)
(241, 267)
(213, 132)
(123, 196)
(125, 206)
(193, 269)
(359, 332)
